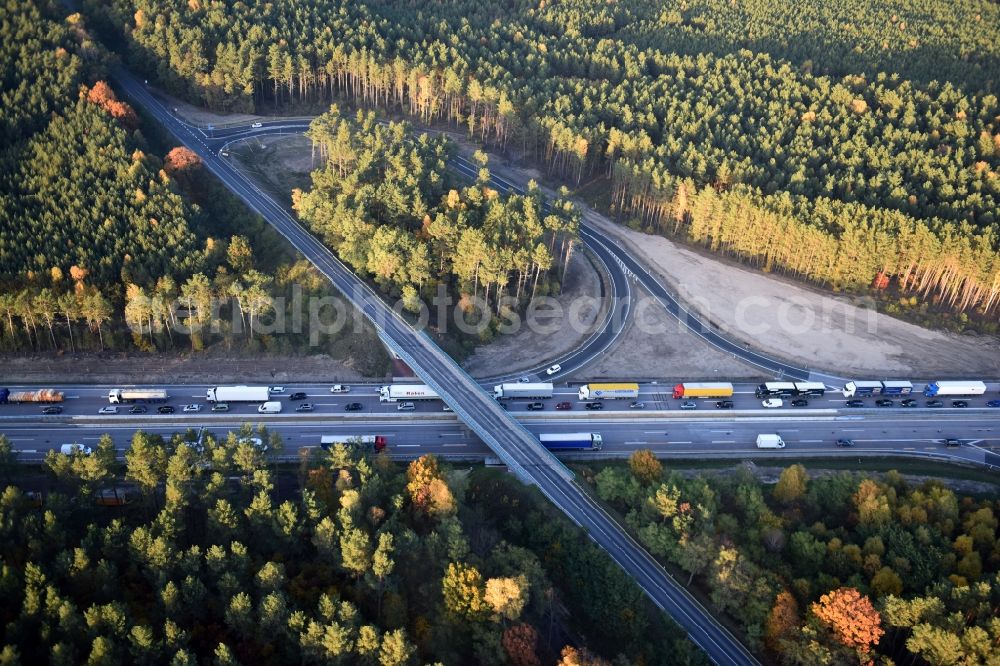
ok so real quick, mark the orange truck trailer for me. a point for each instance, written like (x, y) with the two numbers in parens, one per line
(703, 390)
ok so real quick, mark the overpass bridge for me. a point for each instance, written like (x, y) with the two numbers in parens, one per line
(518, 448)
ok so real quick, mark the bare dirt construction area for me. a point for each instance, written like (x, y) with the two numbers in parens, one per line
(529, 348)
(169, 369)
(199, 116)
(782, 318)
(803, 325)
(654, 345)
(283, 162)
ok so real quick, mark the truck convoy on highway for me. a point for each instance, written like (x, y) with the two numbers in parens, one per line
(572, 441)
(376, 442)
(790, 389)
(396, 392)
(533, 391)
(618, 391)
(954, 388)
(860, 389)
(130, 395)
(703, 390)
(37, 396)
(238, 394)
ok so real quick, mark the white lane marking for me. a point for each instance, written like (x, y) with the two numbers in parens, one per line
(723, 441)
(441, 445)
(27, 451)
(673, 442)
(634, 443)
(408, 446)
(811, 441)
(451, 434)
(852, 429)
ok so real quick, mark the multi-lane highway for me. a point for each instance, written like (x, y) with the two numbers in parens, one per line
(515, 445)
(670, 435)
(83, 400)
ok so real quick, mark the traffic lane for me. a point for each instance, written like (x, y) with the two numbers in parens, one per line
(665, 437)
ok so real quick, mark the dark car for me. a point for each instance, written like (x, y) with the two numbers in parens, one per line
(952, 443)
(800, 402)
(352, 407)
(304, 407)
(536, 406)
(959, 403)
(855, 403)
(935, 403)
(165, 409)
(845, 442)
(298, 395)
(52, 409)
(909, 402)
(884, 402)
(993, 403)
(724, 404)
(595, 405)
(564, 405)
(137, 409)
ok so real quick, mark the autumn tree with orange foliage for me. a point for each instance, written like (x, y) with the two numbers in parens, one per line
(180, 159)
(572, 656)
(429, 493)
(519, 642)
(782, 620)
(103, 96)
(851, 617)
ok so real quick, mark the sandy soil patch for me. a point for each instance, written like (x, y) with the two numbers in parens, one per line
(199, 116)
(163, 369)
(805, 326)
(528, 348)
(654, 346)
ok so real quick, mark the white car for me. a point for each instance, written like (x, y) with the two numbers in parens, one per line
(771, 403)
(257, 125)
(405, 407)
(340, 388)
(277, 389)
(192, 408)
(110, 409)
(71, 449)
(553, 369)
(255, 442)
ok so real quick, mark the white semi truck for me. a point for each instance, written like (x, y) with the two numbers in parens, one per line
(523, 390)
(125, 396)
(954, 388)
(609, 391)
(238, 394)
(397, 392)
